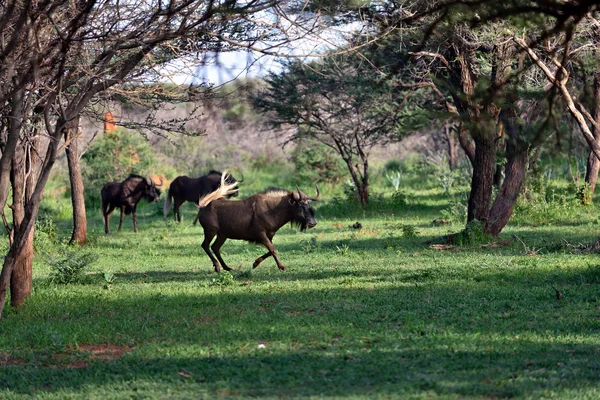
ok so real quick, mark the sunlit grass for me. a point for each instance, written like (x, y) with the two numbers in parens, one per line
(360, 313)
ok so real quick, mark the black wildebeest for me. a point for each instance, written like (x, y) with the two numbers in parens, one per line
(255, 219)
(125, 196)
(184, 188)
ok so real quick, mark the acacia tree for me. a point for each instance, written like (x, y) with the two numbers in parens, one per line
(57, 56)
(339, 102)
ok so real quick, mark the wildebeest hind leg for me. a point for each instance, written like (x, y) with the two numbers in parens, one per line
(176, 204)
(134, 214)
(261, 259)
(208, 237)
(216, 248)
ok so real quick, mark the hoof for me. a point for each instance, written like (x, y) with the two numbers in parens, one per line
(282, 268)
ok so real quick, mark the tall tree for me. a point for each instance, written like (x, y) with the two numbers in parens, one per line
(339, 102)
(77, 191)
(59, 55)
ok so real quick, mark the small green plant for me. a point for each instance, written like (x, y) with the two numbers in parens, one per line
(473, 234)
(310, 245)
(225, 279)
(394, 178)
(409, 232)
(456, 210)
(399, 199)
(109, 279)
(342, 249)
(68, 266)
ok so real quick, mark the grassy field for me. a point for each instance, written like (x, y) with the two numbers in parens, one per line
(374, 312)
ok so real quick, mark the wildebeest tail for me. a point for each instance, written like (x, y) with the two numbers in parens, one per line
(167, 205)
(223, 190)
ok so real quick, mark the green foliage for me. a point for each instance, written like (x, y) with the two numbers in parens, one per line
(68, 265)
(316, 162)
(115, 155)
(224, 279)
(409, 232)
(472, 235)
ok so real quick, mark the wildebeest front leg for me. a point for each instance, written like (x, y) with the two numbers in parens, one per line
(107, 220)
(121, 219)
(261, 259)
(134, 214)
(216, 248)
(208, 237)
(269, 245)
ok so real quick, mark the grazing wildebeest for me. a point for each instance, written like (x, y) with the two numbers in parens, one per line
(255, 219)
(125, 195)
(184, 188)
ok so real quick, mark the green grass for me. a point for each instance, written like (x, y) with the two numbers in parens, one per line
(369, 313)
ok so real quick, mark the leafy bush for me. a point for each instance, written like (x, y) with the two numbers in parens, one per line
(115, 155)
(68, 266)
(316, 162)
(473, 234)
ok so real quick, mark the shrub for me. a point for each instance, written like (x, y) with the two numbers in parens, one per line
(68, 266)
(115, 155)
(316, 162)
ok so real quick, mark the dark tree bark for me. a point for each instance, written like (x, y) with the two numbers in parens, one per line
(516, 169)
(465, 143)
(593, 164)
(484, 165)
(77, 190)
(20, 280)
(451, 138)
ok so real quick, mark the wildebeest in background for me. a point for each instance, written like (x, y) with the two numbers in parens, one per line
(184, 188)
(125, 196)
(255, 219)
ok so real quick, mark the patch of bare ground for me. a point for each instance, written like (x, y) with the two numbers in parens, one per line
(7, 359)
(73, 357)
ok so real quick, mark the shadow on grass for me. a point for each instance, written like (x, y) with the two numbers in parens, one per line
(459, 337)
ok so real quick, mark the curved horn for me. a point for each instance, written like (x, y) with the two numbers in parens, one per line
(297, 195)
(149, 182)
(318, 195)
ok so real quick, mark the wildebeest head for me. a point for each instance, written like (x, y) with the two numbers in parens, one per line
(303, 213)
(229, 179)
(151, 192)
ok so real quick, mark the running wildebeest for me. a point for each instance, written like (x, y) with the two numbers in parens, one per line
(125, 196)
(184, 188)
(255, 219)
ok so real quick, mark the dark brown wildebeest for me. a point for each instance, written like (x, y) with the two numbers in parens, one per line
(125, 196)
(184, 188)
(255, 219)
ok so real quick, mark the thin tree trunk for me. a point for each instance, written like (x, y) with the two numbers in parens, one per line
(31, 212)
(516, 168)
(20, 279)
(484, 164)
(465, 143)
(452, 146)
(593, 164)
(77, 190)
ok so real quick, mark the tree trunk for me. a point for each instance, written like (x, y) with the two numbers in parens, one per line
(516, 168)
(77, 190)
(593, 164)
(452, 146)
(19, 244)
(465, 143)
(484, 164)
(20, 279)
